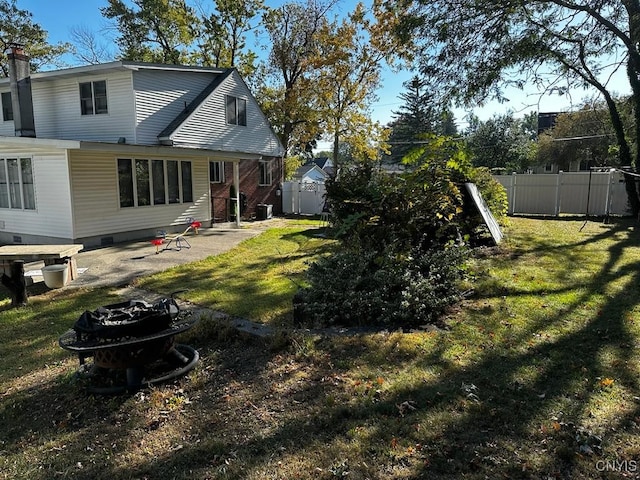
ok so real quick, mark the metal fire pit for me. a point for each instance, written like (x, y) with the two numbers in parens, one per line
(132, 345)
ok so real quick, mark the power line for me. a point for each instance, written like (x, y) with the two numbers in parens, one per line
(566, 139)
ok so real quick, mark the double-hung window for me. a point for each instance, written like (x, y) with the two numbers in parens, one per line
(144, 182)
(7, 107)
(16, 184)
(216, 172)
(264, 173)
(93, 98)
(236, 110)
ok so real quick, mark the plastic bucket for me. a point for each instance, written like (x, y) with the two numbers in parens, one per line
(55, 276)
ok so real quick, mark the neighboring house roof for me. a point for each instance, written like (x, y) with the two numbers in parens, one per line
(310, 171)
(323, 162)
(326, 164)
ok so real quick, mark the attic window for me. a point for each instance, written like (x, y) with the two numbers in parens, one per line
(93, 98)
(236, 110)
(7, 107)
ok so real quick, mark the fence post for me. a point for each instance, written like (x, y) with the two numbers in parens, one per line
(512, 204)
(558, 187)
(607, 202)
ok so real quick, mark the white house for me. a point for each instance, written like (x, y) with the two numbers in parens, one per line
(112, 152)
(310, 173)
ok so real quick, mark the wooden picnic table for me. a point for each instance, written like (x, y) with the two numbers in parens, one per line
(35, 253)
(13, 258)
(50, 254)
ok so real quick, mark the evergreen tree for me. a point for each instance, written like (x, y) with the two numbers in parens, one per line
(417, 116)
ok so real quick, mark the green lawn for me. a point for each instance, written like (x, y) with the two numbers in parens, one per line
(537, 376)
(255, 280)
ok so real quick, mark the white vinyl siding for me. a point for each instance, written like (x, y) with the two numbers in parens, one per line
(57, 112)
(97, 205)
(161, 96)
(208, 128)
(52, 215)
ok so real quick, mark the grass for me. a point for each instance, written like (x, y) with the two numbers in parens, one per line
(256, 280)
(537, 377)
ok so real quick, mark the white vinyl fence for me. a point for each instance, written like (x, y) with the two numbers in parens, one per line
(577, 193)
(303, 197)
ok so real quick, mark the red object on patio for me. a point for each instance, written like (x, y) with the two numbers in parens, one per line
(196, 225)
(157, 242)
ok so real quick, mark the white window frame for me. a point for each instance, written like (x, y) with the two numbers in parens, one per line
(265, 173)
(218, 171)
(236, 101)
(94, 103)
(4, 164)
(165, 184)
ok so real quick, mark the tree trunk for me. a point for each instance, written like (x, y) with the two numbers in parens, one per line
(16, 284)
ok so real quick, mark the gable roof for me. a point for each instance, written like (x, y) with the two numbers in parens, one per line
(164, 135)
(169, 133)
(323, 162)
(308, 168)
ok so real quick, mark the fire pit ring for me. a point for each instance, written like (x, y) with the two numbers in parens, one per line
(131, 339)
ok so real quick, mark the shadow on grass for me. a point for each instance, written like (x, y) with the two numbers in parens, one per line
(536, 406)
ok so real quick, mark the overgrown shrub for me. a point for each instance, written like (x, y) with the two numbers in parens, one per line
(356, 288)
(493, 193)
(402, 235)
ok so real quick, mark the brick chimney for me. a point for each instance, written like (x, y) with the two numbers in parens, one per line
(21, 100)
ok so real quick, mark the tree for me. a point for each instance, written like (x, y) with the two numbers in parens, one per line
(418, 115)
(17, 26)
(580, 139)
(222, 38)
(501, 142)
(471, 50)
(348, 73)
(160, 31)
(287, 93)
(87, 48)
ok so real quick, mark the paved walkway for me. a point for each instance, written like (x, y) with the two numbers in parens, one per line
(121, 264)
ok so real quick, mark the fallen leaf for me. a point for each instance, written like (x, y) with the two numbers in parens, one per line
(607, 382)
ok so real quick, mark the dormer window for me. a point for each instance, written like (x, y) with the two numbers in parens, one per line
(236, 110)
(93, 98)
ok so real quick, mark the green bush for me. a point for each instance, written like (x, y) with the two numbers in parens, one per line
(402, 255)
(493, 193)
(356, 288)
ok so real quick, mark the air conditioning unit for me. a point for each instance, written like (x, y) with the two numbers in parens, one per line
(264, 211)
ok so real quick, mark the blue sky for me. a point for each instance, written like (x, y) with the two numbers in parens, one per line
(59, 16)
